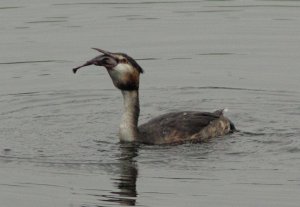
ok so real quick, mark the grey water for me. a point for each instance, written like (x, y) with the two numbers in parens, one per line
(59, 132)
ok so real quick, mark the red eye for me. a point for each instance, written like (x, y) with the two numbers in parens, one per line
(123, 61)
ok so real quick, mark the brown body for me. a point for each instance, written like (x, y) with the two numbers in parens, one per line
(186, 126)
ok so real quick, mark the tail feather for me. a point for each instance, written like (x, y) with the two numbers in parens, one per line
(220, 112)
(232, 127)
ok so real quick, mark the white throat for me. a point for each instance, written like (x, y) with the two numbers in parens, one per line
(129, 122)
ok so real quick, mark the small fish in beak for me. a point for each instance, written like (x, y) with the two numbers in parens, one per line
(107, 60)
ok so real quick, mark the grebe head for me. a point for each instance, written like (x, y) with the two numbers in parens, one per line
(123, 69)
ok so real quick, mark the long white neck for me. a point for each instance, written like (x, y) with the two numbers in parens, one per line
(129, 122)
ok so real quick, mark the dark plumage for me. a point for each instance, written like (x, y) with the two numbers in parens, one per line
(133, 62)
(178, 127)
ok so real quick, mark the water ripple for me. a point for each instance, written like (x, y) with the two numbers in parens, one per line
(31, 61)
(126, 3)
(11, 7)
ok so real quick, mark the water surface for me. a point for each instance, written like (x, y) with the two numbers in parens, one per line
(58, 131)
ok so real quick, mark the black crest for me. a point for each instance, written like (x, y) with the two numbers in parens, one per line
(133, 62)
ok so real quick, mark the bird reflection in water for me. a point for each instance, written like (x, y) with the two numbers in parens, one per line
(126, 183)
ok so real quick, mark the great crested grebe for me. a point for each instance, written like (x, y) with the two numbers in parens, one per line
(176, 127)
